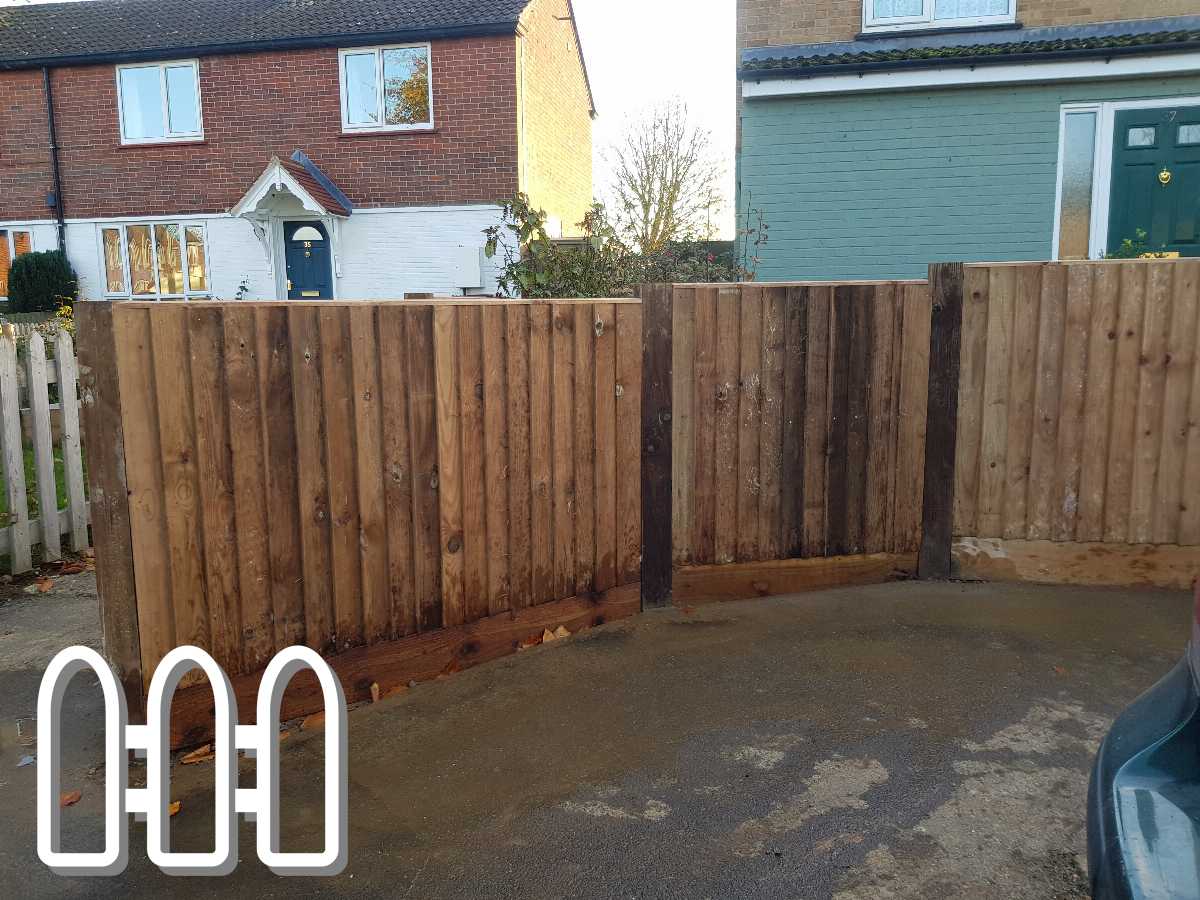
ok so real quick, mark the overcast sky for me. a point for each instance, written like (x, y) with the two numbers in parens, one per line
(642, 52)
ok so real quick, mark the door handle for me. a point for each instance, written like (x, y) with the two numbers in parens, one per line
(289, 284)
(1165, 176)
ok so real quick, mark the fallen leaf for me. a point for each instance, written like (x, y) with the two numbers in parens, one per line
(284, 735)
(199, 755)
(548, 636)
(174, 807)
(375, 693)
(561, 632)
(316, 720)
(451, 667)
(1059, 670)
(44, 585)
(26, 761)
(72, 568)
(88, 553)
(530, 642)
(393, 691)
(69, 798)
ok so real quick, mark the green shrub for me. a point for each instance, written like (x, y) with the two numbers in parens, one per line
(41, 282)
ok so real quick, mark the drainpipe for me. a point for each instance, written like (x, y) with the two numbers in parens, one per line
(58, 196)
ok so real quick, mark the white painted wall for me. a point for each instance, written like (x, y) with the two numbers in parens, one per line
(382, 254)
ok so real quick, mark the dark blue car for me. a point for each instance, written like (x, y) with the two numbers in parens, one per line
(1144, 797)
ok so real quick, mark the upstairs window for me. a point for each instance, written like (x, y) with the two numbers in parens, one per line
(160, 103)
(896, 15)
(155, 261)
(13, 243)
(386, 89)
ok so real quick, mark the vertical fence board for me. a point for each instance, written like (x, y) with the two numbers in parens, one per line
(1189, 518)
(181, 477)
(976, 304)
(795, 362)
(423, 444)
(656, 430)
(725, 423)
(857, 411)
(448, 409)
(628, 433)
(473, 476)
(1071, 403)
(1151, 386)
(398, 471)
(912, 416)
(279, 452)
(311, 483)
(541, 450)
(249, 494)
(496, 457)
(340, 458)
(14, 458)
(683, 431)
(1179, 361)
(100, 405)
(43, 446)
(1097, 415)
(704, 407)
(516, 324)
(147, 513)
(1118, 495)
(993, 448)
(562, 395)
(1047, 395)
(585, 448)
(68, 393)
(840, 496)
(819, 328)
(369, 465)
(771, 445)
(749, 427)
(606, 448)
(880, 421)
(1022, 393)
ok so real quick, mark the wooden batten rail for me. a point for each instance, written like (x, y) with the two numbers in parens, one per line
(353, 475)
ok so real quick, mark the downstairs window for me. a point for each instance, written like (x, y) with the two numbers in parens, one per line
(155, 261)
(14, 242)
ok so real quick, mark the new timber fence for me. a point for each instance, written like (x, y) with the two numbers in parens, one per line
(414, 487)
(41, 459)
(408, 487)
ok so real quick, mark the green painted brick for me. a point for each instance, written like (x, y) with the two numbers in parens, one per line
(880, 185)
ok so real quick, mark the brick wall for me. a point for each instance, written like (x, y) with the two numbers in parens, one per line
(256, 106)
(556, 162)
(763, 23)
(25, 174)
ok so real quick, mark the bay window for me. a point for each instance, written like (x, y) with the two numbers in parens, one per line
(159, 102)
(155, 261)
(14, 242)
(895, 15)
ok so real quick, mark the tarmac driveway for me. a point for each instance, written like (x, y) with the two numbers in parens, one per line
(899, 741)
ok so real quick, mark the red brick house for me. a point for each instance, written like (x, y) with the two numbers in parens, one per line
(285, 148)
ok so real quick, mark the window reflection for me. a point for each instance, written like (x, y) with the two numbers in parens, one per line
(114, 269)
(5, 263)
(170, 259)
(1079, 152)
(141, 104)
(141, 259)
(197, 276)
(406, 86)
(362, 99)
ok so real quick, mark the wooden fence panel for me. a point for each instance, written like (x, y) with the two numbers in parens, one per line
(405, 454)
(1087, 416)
(798, 427)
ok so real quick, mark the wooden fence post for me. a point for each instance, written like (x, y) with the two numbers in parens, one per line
(13, 456)
(656, 444)
(68, 393)
(105, 440)
(43, 446)
(945, 344)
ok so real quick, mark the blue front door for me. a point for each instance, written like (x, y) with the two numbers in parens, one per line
(309, 261)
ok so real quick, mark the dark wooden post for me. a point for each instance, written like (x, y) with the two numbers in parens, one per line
(656, 444)
(104, 438)
(941, 436)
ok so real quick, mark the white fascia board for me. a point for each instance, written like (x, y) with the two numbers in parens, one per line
(978, 75)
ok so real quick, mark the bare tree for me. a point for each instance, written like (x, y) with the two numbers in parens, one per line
(666, 181)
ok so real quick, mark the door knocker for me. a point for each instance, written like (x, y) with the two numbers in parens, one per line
(1164, 177)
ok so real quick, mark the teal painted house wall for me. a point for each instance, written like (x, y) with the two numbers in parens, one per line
(880, 185)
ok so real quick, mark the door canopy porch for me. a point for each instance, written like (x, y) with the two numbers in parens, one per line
(291, 187)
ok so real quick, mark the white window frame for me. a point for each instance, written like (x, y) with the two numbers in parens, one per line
(127, 294)
(11, 242)
(168, 137)
(347, 126)
(1106, 119)
(926, 21)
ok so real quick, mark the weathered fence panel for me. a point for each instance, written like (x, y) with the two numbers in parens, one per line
(1078, 455)
(798, 434)
(30, 424)
(406, 487)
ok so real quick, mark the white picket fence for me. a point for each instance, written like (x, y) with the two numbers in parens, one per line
(25, 381)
